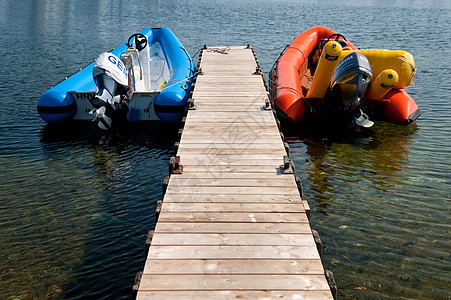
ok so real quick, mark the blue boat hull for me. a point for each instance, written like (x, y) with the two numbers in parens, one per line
(58, 104)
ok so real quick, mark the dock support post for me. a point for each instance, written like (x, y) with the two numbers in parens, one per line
(319, 244)
(331, 281)
(136, 285)
(148, 242)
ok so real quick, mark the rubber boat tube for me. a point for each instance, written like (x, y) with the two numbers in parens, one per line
(301, 76)
(288, 83)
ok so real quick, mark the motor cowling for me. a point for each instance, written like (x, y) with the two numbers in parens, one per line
(110, 77)
(351, 79)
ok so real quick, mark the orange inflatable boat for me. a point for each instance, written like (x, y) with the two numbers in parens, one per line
(323, 75)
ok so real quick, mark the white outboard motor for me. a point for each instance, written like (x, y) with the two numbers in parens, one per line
(110, 77)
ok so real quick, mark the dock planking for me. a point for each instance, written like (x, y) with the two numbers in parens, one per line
(232, 225)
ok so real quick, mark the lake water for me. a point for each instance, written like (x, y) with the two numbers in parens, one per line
(77, 203)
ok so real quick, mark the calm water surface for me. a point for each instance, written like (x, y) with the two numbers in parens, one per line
(76, 203)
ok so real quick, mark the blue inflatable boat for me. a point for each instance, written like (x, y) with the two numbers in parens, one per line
(147, 78)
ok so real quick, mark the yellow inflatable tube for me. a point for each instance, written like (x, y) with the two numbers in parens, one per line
(400, 61)
(329, 59)
(382, 84)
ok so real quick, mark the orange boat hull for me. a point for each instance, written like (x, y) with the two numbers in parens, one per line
(400, 108)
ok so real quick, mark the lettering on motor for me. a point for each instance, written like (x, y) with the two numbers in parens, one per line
(119, 64)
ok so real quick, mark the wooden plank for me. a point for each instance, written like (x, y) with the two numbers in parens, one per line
(227, 129)
(234, 266)
(210, 167)
(232, 98)
(236, 83)
(215, 60)
(243, 117)
(235, 126)
(250, 227)
(233, 146)
(249, 158)
(198, 195)
(223, 128)
(229, 94)
(233, 134)
(239, 49)
(249, 102)
(228, 151)
(239, 282)
(223, 160)
(227, 59)
(254, 106)
(234, 282)
(235, 217)
(229, 80)
(219, 107)
(233, 252)
(238, 190)
(232, 207)
(232, 120)
(234, 294)
(248, 176)
(225, 72)
(233, 180)
(232, 117)
(246, 68)
(228, 239)
(246, 88)
(241, 139)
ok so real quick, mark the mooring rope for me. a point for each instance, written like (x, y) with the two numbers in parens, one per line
(173, 82)
(219, 50)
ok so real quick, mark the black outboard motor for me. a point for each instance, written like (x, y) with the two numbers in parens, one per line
(110, 76)
(350, 81)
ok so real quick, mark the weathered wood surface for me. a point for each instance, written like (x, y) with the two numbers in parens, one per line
(233, 217)
(232, 226)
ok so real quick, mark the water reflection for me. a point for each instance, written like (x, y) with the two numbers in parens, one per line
(378, 227)
(370, 160)
(88, 195)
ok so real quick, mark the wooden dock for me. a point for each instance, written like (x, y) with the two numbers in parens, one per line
(232, 224)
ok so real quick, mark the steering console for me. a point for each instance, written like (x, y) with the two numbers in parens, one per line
(140, 41)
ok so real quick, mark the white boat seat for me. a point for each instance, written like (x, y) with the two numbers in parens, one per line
(157, 65)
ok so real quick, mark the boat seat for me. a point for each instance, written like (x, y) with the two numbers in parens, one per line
(140, 84)
(157, 65)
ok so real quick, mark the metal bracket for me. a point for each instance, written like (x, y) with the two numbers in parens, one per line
(258, 71)
(267, 105)
(288, 165)
(191, 105)
(287, 148)
(174, 165)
